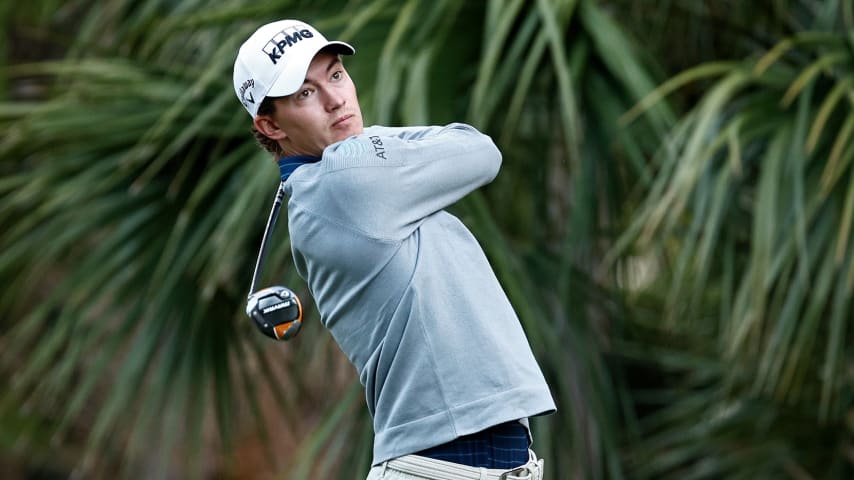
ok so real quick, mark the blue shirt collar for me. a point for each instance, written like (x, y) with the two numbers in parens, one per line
(287, 165)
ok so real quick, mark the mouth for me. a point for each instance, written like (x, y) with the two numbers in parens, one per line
(341, 120)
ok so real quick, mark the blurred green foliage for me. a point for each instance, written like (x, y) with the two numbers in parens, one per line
(672, 223)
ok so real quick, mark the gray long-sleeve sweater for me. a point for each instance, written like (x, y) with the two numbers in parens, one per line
(406, 290)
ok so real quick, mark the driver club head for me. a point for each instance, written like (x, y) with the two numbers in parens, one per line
(276, 311)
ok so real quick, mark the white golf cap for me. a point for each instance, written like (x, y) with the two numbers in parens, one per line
(274, 60)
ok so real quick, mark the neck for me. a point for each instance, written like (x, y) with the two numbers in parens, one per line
(288, 150)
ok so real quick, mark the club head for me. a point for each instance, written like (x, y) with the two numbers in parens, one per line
(276, 311)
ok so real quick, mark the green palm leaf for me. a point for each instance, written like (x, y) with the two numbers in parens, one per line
(746, 175)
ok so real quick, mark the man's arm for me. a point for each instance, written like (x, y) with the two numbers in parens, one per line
(387, 184)
(405, 133)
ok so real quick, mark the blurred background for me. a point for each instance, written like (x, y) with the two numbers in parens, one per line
(673, 223)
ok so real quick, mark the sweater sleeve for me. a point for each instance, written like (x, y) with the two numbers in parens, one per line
(385, 181)
(404, 133)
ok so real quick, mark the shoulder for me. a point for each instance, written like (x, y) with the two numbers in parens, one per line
(367, 147)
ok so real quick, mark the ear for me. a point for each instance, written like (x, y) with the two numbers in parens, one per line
(269, 127)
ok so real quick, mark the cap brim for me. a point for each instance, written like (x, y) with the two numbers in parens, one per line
(289, 81)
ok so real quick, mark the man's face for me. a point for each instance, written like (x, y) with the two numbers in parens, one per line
(323, 111)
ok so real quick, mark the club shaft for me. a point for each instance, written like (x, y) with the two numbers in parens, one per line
(268, 231)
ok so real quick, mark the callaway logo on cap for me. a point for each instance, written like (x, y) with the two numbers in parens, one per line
(274, 60)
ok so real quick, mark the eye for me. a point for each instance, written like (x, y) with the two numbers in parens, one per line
(305, 93)
(338, 75)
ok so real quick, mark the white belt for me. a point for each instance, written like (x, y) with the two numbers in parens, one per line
(441, 470)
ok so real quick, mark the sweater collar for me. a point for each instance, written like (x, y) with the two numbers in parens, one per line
(287, 165)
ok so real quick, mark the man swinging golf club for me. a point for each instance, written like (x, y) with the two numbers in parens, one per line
(402, 285)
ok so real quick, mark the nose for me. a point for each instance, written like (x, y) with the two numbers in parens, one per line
(334, 100)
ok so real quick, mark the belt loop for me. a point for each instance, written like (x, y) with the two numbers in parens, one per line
(482, 473)
(533, 470)
(518, 475)
(385, 465)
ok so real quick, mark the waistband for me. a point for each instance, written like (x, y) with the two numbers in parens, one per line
(442, 470)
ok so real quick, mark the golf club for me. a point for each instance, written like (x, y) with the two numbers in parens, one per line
(276, 310)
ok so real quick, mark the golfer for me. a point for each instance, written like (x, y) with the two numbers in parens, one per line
(402, 285)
